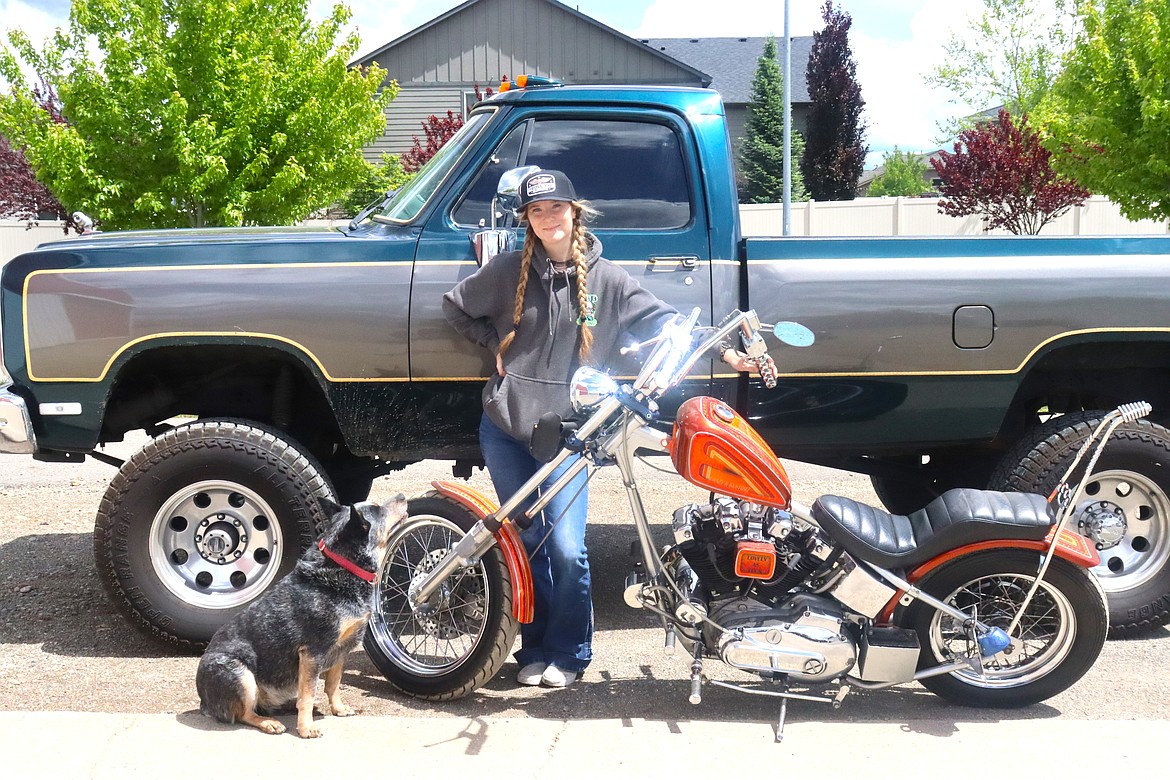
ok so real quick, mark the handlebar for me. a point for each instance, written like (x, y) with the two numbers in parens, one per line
(675, 354)
(767, 370)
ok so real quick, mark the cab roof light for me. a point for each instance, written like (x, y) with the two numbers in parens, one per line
(525, 81)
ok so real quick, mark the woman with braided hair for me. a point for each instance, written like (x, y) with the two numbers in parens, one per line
(543, 312)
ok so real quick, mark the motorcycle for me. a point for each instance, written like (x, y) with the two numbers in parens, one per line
(982, 597)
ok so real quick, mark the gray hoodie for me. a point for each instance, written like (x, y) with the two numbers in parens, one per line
(543, 356)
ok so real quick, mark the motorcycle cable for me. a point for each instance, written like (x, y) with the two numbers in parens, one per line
(553, 526)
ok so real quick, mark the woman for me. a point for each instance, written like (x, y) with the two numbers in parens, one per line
(543, 312)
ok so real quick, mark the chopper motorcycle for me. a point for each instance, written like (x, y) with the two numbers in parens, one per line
(981, 596)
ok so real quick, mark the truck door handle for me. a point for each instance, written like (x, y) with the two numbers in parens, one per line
(671, 262)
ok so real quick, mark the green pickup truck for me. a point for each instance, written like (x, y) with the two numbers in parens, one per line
(274, 364)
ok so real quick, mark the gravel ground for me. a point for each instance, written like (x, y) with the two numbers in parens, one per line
(63, 645)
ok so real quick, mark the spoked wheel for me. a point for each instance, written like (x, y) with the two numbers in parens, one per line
(1057, 639)
(450, 647)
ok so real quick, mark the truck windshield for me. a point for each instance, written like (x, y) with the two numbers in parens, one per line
(407, 204)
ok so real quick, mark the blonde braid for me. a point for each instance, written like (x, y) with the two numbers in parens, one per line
(585, 350)
(521, 286)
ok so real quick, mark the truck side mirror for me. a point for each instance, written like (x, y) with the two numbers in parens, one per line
(489, 243)
(508, 190)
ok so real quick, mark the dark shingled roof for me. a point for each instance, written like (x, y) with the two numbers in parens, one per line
(731, 62)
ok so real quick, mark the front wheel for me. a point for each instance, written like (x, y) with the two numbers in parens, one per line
(447, 649)
(201, 521)
(1057, 639)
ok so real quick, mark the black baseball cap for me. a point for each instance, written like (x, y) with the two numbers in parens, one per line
(545, 185)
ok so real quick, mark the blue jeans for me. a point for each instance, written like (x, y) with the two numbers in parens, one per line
(561, 632)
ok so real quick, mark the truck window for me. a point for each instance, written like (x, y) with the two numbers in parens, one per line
(474, 207)
(409, 202)
(631, 171)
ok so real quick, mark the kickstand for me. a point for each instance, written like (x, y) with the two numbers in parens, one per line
(780, 722)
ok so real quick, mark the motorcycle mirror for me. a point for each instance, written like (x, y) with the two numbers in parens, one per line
(793, 334)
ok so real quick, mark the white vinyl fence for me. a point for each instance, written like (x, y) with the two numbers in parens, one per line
(921, 217)
(860, 217)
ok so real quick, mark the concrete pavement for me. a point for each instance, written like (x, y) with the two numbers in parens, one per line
(187, 745)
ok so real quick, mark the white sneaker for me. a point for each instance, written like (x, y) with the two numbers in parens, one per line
(531, 674)
(556, 677)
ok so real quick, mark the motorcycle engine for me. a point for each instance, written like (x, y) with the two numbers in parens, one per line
(763, 625)
(710, 538)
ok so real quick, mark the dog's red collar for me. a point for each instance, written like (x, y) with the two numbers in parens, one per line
(347, 564)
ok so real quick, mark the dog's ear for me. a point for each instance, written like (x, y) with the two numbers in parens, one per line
(328, 506)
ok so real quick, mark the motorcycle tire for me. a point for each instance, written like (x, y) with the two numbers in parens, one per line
(1131, 481)
(450, 649)
(1057, 641)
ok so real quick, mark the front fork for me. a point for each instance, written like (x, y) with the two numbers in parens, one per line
(632, 434)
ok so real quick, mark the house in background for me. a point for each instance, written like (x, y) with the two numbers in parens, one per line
(731, 64)
(439, 65)
(930, 180)
(932, 183)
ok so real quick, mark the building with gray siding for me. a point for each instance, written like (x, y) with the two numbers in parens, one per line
(439, 65)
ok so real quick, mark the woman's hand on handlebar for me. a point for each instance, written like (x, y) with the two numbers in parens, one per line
(744, 364)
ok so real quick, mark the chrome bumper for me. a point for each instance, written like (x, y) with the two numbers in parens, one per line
(16, 431)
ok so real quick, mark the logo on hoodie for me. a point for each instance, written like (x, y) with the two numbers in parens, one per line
(589, 317)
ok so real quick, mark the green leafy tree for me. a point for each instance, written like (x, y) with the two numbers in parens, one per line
(1009, 57)
(375, 182)
(761, 153)
(1108, 116)
(834, 154)
(903, 174)
(195, 112)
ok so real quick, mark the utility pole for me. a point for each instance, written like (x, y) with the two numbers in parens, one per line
(787, 125)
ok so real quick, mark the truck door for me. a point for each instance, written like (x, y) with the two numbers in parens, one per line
(637, 167)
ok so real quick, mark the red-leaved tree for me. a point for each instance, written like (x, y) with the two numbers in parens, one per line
(1000, 170)
(437, 131)
(21, 195)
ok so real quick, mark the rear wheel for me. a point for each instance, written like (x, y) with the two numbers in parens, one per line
(447, 649)
(1125, 511)
(1058, 637)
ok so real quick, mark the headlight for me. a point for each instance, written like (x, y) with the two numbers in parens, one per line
(589, 387)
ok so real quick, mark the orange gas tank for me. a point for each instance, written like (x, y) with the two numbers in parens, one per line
(715, 448)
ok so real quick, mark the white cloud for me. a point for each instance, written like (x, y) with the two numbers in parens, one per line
(901, 109)
(702, 18)
(38, 20)
(378, 23)
(892, 62)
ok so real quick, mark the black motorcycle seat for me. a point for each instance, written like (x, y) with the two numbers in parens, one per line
(956, 518)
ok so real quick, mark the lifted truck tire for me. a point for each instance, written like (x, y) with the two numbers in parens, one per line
(201, 521)
(1126, 509)
(916, 484)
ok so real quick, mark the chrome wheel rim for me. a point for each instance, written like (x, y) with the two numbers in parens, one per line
(1144, 549)
(216, 544)
(437, 639)
(1040, 643)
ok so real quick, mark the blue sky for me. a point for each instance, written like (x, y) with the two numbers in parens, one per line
(895, 42)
